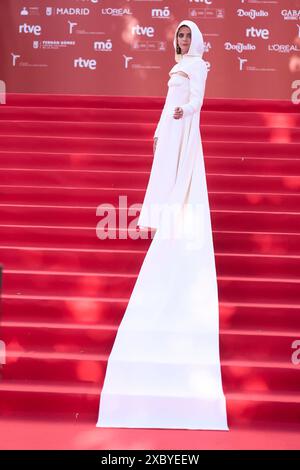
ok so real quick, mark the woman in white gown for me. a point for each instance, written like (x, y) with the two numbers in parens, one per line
(164, 368)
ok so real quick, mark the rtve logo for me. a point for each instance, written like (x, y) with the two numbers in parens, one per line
(143, 30)
(257, 33)
(85, 63)
(30, 29)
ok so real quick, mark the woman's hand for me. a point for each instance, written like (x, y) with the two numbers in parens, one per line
(178, 113)
(154, 143)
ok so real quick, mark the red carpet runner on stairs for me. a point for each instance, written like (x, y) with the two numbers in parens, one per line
(65, 290)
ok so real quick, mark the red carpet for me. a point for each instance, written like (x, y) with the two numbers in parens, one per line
(65, 291)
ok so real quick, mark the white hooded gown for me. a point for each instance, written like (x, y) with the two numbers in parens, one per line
(164, 368)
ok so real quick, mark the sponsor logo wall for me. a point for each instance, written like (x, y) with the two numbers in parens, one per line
(252, 47)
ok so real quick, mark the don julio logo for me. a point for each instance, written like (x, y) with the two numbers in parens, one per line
(252, 14)
(239, 47)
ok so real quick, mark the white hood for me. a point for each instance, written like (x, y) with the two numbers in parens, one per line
(197, 44)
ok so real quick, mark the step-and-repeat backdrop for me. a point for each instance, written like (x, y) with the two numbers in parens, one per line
(125, 47)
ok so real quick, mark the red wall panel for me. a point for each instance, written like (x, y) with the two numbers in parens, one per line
(125, 47)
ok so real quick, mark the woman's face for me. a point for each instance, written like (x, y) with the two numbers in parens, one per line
(184, 37)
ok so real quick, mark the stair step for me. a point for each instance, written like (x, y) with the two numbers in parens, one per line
(81, 161)
(94, 115)
(54, 113)
(110, 310)
(139, 179)
(65, 291)
(145, 130)
(70, 196)
(87, 161)
(86, 216)
(280, 243)
(55, 367)
(130, 261)
(80, 403)
(40, 340)
(15, 143)
(242, 378)
(82, 310)
(98, 101)
(84, 284)
(145, 102)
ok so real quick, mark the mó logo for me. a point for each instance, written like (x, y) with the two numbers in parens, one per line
(103, 45)
(160, 13)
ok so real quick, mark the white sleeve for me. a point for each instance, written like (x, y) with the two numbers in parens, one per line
(197, 77)
(156, 133)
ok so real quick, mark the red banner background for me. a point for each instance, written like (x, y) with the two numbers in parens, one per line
(125, 47)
